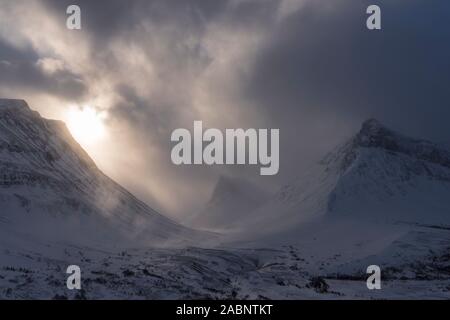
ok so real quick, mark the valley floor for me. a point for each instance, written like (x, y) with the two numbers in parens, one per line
(284, 272)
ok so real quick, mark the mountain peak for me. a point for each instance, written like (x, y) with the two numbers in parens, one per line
(374, 134)
(371, 126)
(227, 188)
(13, 103)
(375, 137)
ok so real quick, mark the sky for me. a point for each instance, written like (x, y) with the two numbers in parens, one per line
(310, 68)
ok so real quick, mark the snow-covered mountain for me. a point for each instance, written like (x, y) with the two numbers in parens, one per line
(391, 177)
(378, 175)
(56, 206)
(230, 199)
(51, 187)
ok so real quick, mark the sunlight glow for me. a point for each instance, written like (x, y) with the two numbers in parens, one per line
(86, 125)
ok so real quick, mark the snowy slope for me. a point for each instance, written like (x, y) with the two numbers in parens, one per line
(230, 200)
(50, 186)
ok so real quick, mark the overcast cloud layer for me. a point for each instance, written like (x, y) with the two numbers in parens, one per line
(310, 68)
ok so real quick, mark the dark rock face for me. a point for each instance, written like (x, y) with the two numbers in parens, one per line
(318, 284)
(374, 135)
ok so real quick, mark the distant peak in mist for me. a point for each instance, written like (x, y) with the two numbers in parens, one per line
(229, 189)
(374, 134)
(231, 198)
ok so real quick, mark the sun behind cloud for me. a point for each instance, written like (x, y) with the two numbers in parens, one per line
(86, 125)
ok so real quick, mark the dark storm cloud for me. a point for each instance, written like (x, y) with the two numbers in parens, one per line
(138, 111)
(326, 63)
(321, 62)
(170, 33)
(321, 73)
(9, 53)
(20, 68)
(105, 20)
